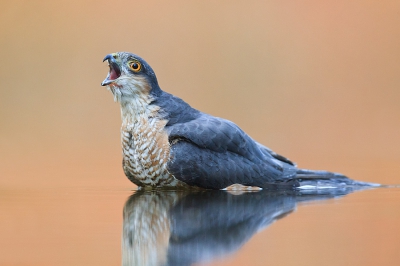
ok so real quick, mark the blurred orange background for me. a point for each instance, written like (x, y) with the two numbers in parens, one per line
(316, 81)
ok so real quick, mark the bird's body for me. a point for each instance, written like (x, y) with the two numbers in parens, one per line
(167, 143)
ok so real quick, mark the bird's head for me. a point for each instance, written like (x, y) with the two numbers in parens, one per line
(129, 77)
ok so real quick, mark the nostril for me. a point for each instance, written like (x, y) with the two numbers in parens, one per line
(115, 56)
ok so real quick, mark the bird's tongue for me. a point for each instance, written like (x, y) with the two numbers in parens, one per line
(113, 74)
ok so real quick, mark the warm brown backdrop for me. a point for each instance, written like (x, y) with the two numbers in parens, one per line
(317, 81)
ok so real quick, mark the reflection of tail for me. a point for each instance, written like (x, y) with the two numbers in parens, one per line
(311, 179)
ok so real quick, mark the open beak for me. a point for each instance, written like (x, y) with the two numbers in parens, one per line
(115, 71)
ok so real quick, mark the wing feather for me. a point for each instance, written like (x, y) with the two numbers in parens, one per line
(215, 153)
(218, 135)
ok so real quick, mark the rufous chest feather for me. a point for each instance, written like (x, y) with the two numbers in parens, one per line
(145, 149)
(145, 146)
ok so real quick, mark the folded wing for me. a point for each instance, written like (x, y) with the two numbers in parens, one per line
(215, 153)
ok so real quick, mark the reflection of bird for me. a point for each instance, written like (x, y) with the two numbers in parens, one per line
(168, 143)
(182, 228)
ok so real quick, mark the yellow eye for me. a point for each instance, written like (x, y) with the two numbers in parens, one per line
(135, 66)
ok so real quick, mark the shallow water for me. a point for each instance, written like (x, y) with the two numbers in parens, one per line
(86, 227)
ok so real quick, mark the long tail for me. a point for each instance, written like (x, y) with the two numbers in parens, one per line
(310, 179)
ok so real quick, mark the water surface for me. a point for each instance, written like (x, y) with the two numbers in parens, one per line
(113, 227)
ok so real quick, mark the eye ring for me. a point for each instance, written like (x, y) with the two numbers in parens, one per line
(135, 66)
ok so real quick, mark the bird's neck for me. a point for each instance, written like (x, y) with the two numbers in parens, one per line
(137, 108)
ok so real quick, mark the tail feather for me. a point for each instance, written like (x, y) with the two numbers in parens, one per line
(324, 179)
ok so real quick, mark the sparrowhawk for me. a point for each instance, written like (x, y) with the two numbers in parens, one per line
(167, 143)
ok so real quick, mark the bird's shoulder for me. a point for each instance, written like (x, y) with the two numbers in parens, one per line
(174, 109)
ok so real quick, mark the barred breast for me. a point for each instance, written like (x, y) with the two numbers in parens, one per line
(146, 151)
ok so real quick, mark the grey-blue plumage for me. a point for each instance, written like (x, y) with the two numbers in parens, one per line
(212, 152)
(166, 142)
